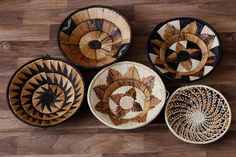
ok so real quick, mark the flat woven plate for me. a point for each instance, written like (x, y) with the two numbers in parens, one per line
(198, 114)
(94, 36)
(126, 95)
(45, 92)
(184, 49)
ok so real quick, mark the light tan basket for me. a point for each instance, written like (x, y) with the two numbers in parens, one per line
(126, 95)
(198, 114)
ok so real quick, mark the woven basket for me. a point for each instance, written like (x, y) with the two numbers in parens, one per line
(45, 92)
(198, 114)
(184, 49)
(126, 95)
(94, 36)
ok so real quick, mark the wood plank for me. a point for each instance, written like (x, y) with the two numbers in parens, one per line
(221, 154)
(213, 14)
(8, 122)
(73, 3)
(23, 60)
(54, 32)
(24, 33)
(159, 142)
(228, 40)
(163, 154)
(3, 102)
(58, 15)
(8, 145)
(4, 82)
(32, 4)
(82, 143)
(58, 155)
(8, 66)
(46, 16)
(28, 48)
(11, 17)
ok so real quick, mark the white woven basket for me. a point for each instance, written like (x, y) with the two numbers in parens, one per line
(126, 95)
(198, 114)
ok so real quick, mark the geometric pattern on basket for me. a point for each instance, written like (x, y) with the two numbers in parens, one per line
(184, 49)
(93, 37)
(118, 97)
(198, 114)
(45, 92)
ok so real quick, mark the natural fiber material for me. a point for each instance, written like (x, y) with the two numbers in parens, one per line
(126, 95)
(45, 92)
(184, 49)
(94, 36)
(198, 114)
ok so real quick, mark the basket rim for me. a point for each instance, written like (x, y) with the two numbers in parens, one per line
(101, 119)
(159, 25)
(46, 57)
(88, 7)
(192, 86)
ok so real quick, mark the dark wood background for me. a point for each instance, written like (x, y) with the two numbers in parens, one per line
(28, 29)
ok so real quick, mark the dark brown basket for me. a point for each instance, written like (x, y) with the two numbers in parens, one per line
(95, 36)
(45, 92)
(184, 49)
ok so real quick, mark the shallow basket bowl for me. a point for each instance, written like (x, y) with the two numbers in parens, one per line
(184, 49)
(198, 114)
(45, 92)
(95, 36)
(126, 95)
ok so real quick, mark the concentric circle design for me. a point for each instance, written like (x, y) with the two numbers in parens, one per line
(198, 114)
(45, 92)
(46, 96)
(94, 36)
(126, 95)
(184, 49)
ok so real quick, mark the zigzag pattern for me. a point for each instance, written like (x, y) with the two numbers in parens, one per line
(45, 92)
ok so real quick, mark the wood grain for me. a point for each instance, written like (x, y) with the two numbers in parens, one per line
(47, 17)
(28, 29)
(14, 49)
(24, 33)
(32, 4)
(11, 18)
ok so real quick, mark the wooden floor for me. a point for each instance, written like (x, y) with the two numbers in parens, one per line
(28, 29)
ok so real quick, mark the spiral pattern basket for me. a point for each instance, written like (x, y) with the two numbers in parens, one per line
(126, 95)
(198, 114)
(45, 92)
(95, 36)
(184, 49)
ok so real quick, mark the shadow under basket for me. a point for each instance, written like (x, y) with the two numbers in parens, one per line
(184, 49)
(45, 92)
(95, 36)
(126, 95)
(198, 114)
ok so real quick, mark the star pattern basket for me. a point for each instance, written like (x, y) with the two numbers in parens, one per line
(198, 114)
(126, 95)
(94, 36)
(184, 49)
(45, 92)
